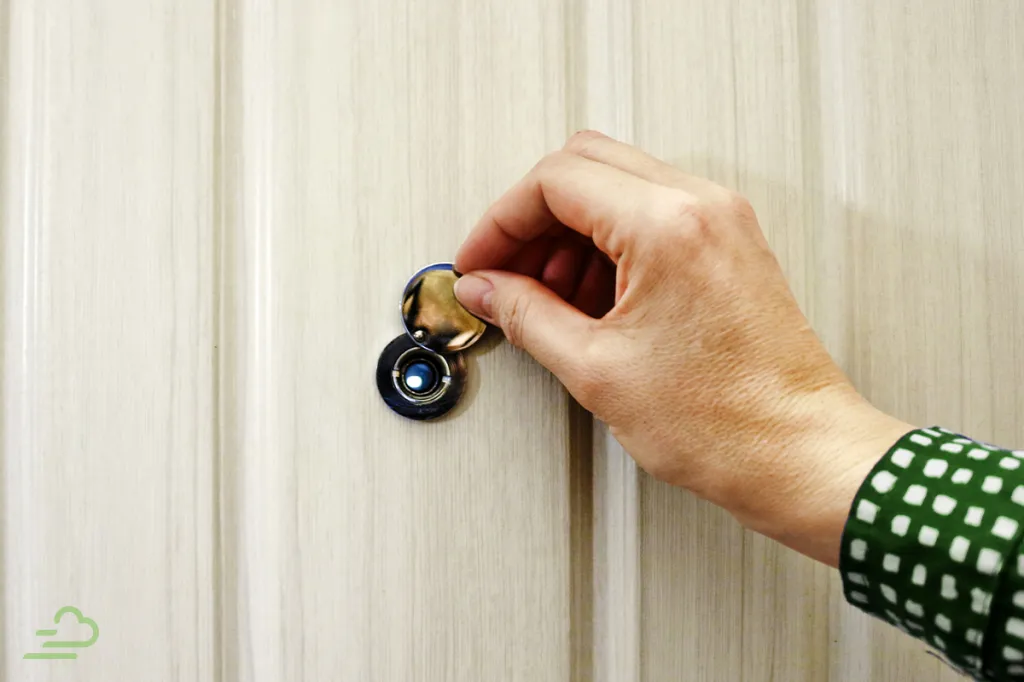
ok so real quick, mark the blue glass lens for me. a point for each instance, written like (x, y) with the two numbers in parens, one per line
(419, 377)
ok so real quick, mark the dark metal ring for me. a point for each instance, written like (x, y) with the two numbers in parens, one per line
(450, 384)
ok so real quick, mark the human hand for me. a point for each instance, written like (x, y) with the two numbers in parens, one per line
(655, 298)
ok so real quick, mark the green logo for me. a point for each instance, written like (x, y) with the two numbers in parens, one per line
(61, 644)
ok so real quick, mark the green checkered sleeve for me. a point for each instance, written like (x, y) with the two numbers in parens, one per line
(932, 546)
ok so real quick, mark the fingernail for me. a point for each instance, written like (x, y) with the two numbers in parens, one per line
(475, 294)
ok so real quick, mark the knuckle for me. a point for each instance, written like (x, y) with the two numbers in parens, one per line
(549, 162)
(696, 226)
(679, 207)
(582, 140)
(740, 207)
(684, 222)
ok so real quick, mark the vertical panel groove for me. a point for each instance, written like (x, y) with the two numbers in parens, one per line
(609, 97)
(230, 165)
(581, 544)
(21, 234)
(219, 222)
(5, 99)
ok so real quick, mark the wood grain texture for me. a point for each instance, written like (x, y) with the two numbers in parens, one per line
(600, 37)
(208, 213)
(881, 145)
(362, 142)
(928, 199)
(108, 335)
(693, 558)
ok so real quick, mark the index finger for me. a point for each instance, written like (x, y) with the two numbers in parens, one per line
(596, 200)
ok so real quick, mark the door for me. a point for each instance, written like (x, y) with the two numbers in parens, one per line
(208, 214)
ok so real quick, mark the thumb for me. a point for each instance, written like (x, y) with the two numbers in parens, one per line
(532, 316)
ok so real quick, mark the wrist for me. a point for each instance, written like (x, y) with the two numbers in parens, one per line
(816, 477)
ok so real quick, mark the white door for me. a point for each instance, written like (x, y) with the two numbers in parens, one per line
(209, 210)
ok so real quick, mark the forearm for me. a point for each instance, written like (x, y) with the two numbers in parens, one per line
(804, 501)
(926, 528)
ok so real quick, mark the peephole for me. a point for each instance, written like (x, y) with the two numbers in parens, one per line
(419, 377)
(418, 383)
(422, 373)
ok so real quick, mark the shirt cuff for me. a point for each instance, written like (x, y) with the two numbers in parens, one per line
(933, 535)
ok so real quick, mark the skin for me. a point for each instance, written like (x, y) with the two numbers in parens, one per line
(654, 298)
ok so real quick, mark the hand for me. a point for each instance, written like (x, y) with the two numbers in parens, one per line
(654, 297)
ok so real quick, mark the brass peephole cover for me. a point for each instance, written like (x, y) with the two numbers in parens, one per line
(434, 319)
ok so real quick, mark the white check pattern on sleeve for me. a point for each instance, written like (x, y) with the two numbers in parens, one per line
(932, 538)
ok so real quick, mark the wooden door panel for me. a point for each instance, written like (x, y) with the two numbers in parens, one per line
(362, 140)
(109, 336)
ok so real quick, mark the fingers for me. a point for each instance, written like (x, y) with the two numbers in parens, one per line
(566, 261)
(559, 262)
(532, 258)
(532, 317)
(595, 294)
(594, 199)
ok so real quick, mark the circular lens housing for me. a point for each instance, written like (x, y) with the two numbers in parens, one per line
(418, 383)
(419, 377)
